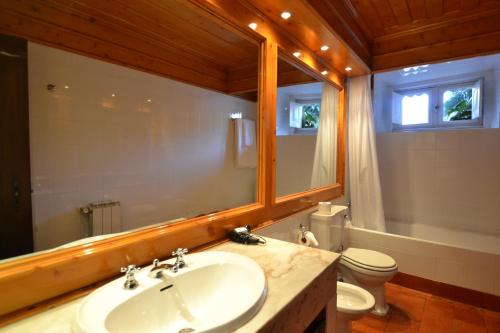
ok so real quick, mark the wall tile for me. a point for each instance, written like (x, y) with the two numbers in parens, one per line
(169, 158)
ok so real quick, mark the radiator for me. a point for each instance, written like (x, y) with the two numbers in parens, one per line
(104, 217)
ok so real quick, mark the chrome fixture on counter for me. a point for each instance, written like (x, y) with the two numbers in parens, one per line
(130, 281)
(179, 262)
(157, 270)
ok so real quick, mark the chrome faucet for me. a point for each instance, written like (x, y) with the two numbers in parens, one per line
(130, 281)
(157, 270)
(179, 261)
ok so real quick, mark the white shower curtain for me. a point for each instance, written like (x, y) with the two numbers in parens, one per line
(325, 154)
(366, 196)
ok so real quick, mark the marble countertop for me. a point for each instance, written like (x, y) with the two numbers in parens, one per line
(289, 269)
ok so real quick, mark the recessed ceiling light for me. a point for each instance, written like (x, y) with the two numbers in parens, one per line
(348, 69)
(297, 54)
(324, 47)
(113, 95)
(149, 101)
(286, 15)
(66, 87)
(324, 72)
(253, 25)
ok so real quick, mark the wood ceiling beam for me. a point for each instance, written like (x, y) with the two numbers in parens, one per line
(339, 17)
(458, 38)
(237, 11)
(242, 80)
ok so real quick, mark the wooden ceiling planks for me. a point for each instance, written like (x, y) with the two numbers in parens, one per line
(404, 33)
(163, 38)
(171, 39)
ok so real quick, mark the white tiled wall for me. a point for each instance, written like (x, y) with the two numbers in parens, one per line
(168, 158)
(286, 229)
(447, 179)
(294, 163)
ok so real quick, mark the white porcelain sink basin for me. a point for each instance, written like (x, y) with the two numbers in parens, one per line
(216, 292)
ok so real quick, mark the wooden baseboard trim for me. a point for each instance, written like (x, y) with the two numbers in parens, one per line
(455, 293)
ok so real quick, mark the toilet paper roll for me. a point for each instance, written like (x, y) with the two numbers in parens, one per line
(307, 239)
(324, 208)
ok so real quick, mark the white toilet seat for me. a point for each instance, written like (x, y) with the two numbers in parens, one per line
(368, 261)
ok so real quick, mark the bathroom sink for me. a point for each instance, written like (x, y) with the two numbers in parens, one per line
(215, 292)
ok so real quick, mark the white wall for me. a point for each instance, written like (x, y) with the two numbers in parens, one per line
(168, 158)
(447, 179)
(287, 229)
(294, 163)
(294, 151)
(487, 67)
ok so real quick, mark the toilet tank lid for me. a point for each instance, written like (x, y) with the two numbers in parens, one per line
(369, 257)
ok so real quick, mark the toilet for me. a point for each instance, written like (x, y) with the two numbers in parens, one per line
(365, 268)
(353, 303)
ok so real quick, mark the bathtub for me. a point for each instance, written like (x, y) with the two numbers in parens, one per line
(466, 259)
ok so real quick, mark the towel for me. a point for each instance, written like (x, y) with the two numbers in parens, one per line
(245, 143)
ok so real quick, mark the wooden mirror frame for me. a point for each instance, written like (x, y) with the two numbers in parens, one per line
(33, 283)
(337, 189)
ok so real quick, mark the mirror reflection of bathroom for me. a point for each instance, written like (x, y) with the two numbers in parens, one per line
(306, 131)
(114, 147)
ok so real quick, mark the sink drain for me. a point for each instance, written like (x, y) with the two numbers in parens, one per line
(187, 330)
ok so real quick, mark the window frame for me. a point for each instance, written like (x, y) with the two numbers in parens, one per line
(303, 99)
(460, 123)
(415, 91)
(436, 108)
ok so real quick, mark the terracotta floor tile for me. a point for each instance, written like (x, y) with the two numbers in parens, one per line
(411, 304)
(370, 323)
(391, 292)
(492, 321)
(414, 311)
(468, 319)
(400, 321)
(438, 316)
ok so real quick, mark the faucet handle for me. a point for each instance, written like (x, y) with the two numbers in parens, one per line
(179, 262)
(130, 281)
(180, 252)
(156, 263)
(130, 269)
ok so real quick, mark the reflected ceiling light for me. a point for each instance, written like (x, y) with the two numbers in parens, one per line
(66, 87)
(324, 47)
(149, 101)
(286, 15)
(324, 72)
(113, 95)
(297, 54)
(253, 25)
(348, 69)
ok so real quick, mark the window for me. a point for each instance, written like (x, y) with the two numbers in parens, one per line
(304, 112)
(448, 105)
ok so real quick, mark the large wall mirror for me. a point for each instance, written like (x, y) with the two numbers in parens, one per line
(306, 131)
(94, 148)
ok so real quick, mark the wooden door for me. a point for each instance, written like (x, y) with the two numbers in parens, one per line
(16, 231)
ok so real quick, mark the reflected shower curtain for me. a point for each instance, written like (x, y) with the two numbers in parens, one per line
(366, 195)
(325, 154)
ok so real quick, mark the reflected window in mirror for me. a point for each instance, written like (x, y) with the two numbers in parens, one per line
(306, 128)
(112, 149)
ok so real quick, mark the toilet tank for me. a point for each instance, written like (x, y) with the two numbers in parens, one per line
(328, 228)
